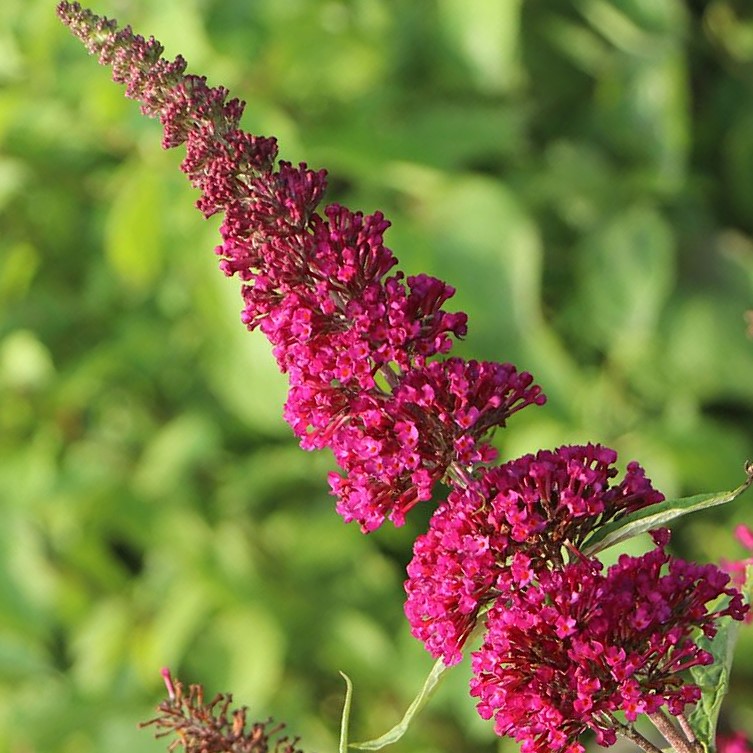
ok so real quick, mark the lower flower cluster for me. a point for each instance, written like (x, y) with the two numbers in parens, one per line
(566, 647)
(567, 652)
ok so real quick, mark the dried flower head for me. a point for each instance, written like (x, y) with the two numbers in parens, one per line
(213, 727)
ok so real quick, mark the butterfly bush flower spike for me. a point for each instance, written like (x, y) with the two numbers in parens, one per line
(568, 648)
(355, 337)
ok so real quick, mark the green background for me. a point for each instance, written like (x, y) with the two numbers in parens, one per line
(581, 171)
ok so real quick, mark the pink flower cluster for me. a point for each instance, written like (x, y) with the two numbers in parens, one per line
(396, 447)
(564, 653)
(737, 568)
(354, 341)
(512, 521)
(734, 743)
(365, 350)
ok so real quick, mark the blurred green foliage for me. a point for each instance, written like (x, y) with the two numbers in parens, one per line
(579, 169)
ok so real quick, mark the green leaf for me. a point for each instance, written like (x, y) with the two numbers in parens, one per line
(429, 687)
(494, 255)
(659, 515)
(713, 680)
(345, 721)
(616, 26)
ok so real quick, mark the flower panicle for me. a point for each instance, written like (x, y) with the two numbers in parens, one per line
(221, 160)
(355, 338)
(566, 645)
(201, 726)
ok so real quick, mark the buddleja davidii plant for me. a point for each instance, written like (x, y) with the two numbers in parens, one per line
(511, 555)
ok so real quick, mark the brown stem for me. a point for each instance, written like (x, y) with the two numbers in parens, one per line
(686, 728)
(671, 734)
(389, 375)
(689, 733)
(636, 737)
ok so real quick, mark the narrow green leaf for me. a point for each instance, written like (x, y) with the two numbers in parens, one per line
(345, 721)
(426, 692)
(659, 515)
(713, 680)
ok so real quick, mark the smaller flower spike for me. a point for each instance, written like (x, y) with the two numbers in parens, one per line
(354, 337)
(201, 727)
(736, 742)
(738, 568)
(565, 653)
(510, 522)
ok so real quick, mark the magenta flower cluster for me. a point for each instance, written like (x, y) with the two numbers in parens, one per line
(511, 522)
(354, 340)
(736, 742)
(566, 647)
(565, 653)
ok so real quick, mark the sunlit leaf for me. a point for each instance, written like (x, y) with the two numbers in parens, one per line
(625, 274)
(427, 691)
(659, 515)
(134, 228)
